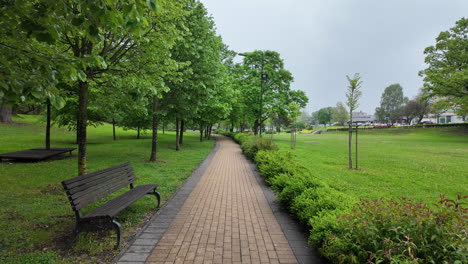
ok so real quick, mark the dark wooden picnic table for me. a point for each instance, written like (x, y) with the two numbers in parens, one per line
(35, 154)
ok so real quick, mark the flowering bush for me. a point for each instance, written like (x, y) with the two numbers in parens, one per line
(400, 231)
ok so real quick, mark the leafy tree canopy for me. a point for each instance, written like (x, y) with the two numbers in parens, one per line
(391, 103)
(447, 71)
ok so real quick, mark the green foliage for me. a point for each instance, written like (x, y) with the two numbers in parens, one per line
(354, 92)
(391, 103)
(240, 138)
(275, 163)
(447, 60)
(313, 202)
(401, 231)
(339, 114)
(276, 95)
(251, 145)
(324, 115)
(318, 198)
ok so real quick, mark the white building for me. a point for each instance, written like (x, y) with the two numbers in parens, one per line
(361, 117)
(445, 118)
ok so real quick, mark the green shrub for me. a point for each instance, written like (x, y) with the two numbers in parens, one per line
(400, 231)
(220, 132)
(272, 163)
(251, 145)
(324, 224)
(318, 198)
(289, 187)
(240, 137)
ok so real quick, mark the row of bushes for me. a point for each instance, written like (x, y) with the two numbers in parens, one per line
(346, 230)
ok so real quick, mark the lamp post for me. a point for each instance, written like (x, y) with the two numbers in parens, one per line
(263, 77)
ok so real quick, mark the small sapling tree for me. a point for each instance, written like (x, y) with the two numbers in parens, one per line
(352, 96)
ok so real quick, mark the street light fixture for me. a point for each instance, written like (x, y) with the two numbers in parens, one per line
(263, 77)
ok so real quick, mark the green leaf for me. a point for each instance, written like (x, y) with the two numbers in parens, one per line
(81, 76)
(59, 103)
(45, 37)
(151, 4)
(93, 31)
(37, 94)
(1, 94)
(77, 21)
(101, 62)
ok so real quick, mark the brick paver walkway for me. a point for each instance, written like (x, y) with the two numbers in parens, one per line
(226, 219)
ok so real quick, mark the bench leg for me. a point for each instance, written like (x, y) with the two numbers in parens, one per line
(158, 196)
(118, 231)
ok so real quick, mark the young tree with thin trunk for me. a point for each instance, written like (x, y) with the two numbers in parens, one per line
(352, 95)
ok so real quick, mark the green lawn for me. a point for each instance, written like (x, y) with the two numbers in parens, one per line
(418, 163)
(36, 220)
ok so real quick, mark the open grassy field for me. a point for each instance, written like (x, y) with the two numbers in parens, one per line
(417, 163)
(36, 220)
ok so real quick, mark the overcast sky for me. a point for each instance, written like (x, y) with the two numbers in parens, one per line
(323, 41)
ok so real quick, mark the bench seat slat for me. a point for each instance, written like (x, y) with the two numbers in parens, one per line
(84, 201)
(113, 207)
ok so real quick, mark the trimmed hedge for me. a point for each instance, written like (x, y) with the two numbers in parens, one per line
(312, 201)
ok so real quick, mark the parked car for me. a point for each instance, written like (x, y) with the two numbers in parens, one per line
(426, 123)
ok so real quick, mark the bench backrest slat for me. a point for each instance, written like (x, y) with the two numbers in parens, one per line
(88, 188)
(80, 189)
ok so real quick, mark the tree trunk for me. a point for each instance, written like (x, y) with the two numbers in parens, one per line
(350, 138)
(181, 134)
(356, 147)
(256, 128)
(210, 128)
(154, 140)
(138, 132)
(201, 132)
(5, 112)
(81, 128)
(113, 128)
(47, 135)
(177, 148)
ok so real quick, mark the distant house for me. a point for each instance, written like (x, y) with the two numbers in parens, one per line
(445, 118)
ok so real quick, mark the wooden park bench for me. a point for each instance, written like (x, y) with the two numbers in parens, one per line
(89, 188)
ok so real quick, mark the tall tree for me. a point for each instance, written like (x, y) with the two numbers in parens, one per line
(325, 115)
(416, 108)
(200, 50)
(352, 95)
(447, 68)
(339, 114)
(86, 39)
(275, 96)
(392, 102)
